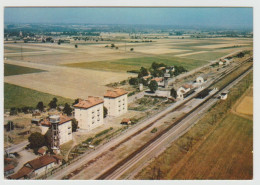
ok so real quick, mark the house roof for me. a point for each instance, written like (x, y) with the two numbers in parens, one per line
(115, 93)
(24, 171)
(9, 167)
(186, 86)
(158, 79)
(125, 120)
(161, 68)
(41, 161)
(90, 102)
(41, 150)
(146, 77)
(63, 119)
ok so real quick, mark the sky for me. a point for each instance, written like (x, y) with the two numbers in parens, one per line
(217, 17)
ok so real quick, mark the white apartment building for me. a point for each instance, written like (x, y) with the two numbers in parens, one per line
(89, 113)
(64, 127)
(116, 102)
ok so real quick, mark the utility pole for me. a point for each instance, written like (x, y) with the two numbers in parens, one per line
(21, 52)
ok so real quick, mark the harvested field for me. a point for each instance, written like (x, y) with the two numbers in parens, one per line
(67, 82)
(233, 139)
(192, 53)
(245, 106)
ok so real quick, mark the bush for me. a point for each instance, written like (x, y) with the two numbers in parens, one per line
(154, 130)
(103, 132)
(97, 142)
(133, 81)
(153, 86)
(90, 139)
(10, 126)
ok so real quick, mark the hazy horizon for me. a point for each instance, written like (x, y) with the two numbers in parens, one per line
(209, 17)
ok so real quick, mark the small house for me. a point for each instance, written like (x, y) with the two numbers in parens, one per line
(223, 96)
(126, 121)
(41, 151)
(159, 81)
(9, 169)
(37, 167)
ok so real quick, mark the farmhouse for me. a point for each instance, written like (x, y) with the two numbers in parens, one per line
(37, 167)
(89, 113)
(60, 123)
(116, 102)
(159, 80)
(126, 121)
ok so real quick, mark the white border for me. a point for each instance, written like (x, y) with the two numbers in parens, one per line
(151, 3)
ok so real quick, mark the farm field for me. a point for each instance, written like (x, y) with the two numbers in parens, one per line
(233, 139)
(70, 71)
(10, 70)
(16, 96)
(137, 63)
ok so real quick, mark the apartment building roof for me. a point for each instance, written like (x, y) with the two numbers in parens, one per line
(63, 119)
(115, 93)
(90, 102)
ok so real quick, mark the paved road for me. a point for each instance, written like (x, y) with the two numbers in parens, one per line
(17, 148)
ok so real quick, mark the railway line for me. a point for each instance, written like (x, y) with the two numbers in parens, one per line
(172, 131)
(87, 160)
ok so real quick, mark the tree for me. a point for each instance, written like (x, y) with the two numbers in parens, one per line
(173, 93)
(112, 45)
(13, 111)
(76, 101)
(9, 126)
(40, 106)
(36, 140)
(132, 49)
(76, 46)
(153, 86)
(53, 103)
(143, 72)
(133, 81)
(74, 125)
(67, 109)
(105, 111)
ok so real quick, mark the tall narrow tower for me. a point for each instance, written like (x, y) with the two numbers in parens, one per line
(55, 138)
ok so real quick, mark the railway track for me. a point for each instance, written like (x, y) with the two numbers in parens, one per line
(122, 166)
(222, 75)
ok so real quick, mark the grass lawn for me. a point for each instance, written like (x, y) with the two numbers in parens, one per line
(16, 96)
(10, 70)
(137, 63)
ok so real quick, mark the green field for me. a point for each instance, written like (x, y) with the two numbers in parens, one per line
(16, 96)
(123, 65)
(10, 70)
(19, 49)
(209, 56)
